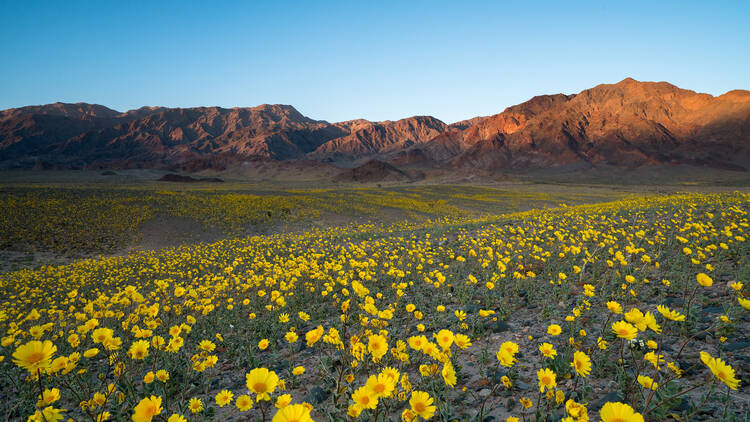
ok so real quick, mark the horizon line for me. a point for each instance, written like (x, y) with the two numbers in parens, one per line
(359, 118)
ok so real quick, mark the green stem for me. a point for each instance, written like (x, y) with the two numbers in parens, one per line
(726, 405)
(41, 390)
(687, 313)
(674, 396)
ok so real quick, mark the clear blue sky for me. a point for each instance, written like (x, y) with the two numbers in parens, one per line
(376, 59)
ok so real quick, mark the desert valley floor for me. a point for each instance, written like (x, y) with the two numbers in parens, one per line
(538, 298)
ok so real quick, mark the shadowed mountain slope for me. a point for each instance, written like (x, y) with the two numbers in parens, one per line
(627, 124)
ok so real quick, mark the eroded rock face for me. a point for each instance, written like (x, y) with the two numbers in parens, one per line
(156, 136)
(85, 135)
(628, 124)
(373, 138)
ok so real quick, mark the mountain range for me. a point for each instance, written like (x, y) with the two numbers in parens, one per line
(627, 124)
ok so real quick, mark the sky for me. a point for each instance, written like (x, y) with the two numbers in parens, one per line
(377, 60)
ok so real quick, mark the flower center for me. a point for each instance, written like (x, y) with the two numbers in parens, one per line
(259, 387)
(35, 357)
(419, 407)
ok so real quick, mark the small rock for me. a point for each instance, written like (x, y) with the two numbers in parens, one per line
(688, 367)
(522, 385)
(673, 301)
(709, 410)
(713, 310)
(702, 335)
(667, 346)
(500, 327)
(681, 406)
(613, 396)
(496, 374)
(484, 392)
(317, 395)
(738, 345)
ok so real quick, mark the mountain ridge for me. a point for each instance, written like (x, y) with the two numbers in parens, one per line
(627, 124)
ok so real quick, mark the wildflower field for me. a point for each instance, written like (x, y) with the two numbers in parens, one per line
(66, 218)
(628, 310)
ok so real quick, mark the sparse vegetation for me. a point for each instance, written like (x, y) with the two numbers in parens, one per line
(70, 220)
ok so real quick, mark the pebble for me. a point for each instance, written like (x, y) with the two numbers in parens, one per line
(713, 310)
(738, 345)
(523, 386)
(612, 396)
(496, 374)
(317, 395)
(500, 327)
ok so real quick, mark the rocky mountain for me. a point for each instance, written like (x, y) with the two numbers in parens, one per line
(627, 124)
(157, 136)
(371, 138)
(92, 136)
